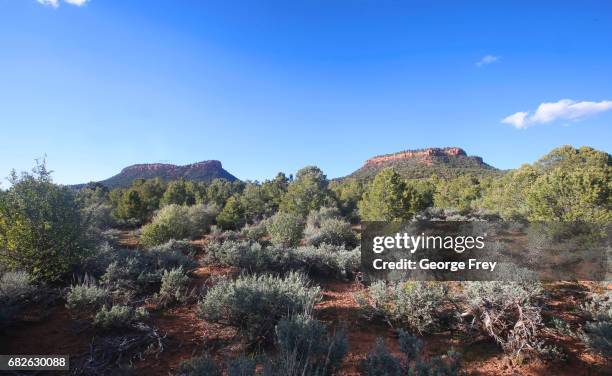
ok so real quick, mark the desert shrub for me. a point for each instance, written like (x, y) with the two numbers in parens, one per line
(328, 260)
(416, 305)
(173, 285)
(333, 231)
(171, 222)
(118, 317)
(251, 256)
(380, 362)
(306, 348)
(15, 288)
(596, 334)
(507, 311)
(177, 222)
(201, 217)
(326, 226)
(254, 304)
(86, 295)
(285, 229)
(137, 270)
(316, 217)
(255, 232)
(42, 230)
(173, 246)
(200, 366)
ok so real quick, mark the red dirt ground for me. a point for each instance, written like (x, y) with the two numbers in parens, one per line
(53, 331)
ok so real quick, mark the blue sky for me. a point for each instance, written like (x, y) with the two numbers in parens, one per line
(268, 86)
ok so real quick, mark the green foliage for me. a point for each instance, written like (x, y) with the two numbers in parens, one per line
(256, 231)
(251, 256)
(348, 194)
(41, 227)
(385, 198)
(328, 260)
(177, 222)
(118, 317)
(274, 190)
(562, 195)
(178, 193)
(459, 193)
(220, 190)
(380, 362)
(15, 289)
(255, 203)
(567, 184)
(332, 231)
(508, 194)
(254, 304)
(232, 217)
(173, 285)
(415, 305)
(309, 191)
(15, 286)
(137, 271)
(285, 229)
(597, 333)
(305, 347)
(86, 296)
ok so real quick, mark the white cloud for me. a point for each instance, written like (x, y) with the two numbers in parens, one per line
(565, 109)
(51, 3)
(56, 3)
(78, 3)
(487, 60)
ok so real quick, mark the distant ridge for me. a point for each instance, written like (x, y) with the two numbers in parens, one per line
(204, 171)
(423, 163)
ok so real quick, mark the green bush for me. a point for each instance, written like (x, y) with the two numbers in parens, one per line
(118, 317)
(15, 289)
(86, 295)
(138, 271)
(42, 230)
(173, 286)
(380, 362)
(334, 231)
(596, 334)
(15, 286)
(250, 256)
(255, 232)
(177, 222)
(416, 305)
(328, 260)
(305, 347)
(254, 304)
(285, 229)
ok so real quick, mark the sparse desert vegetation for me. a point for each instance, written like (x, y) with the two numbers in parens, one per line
(263, 278)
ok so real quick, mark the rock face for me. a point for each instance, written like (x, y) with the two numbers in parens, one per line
(423, 155)
(200, 171)
(423, 163)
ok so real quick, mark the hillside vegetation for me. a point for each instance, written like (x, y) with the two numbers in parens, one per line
(244, 278)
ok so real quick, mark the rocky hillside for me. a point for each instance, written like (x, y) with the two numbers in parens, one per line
(200, 171)
(423, 163)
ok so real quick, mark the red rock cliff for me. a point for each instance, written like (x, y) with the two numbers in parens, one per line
(422, 155)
